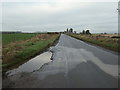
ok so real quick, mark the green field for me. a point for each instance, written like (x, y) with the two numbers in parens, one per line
(8, 38)
(24, 47)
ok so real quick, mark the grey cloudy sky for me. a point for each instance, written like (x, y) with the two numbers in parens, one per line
(57, 15)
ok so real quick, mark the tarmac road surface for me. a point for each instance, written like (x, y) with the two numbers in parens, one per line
(75, 64)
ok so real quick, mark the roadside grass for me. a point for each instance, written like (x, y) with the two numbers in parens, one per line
(20, 51)
(0, 53)
(104, 41)
(0, 39)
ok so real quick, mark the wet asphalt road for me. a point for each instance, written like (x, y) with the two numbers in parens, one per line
(75, 64)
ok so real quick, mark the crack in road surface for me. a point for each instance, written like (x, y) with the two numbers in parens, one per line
(75, 64)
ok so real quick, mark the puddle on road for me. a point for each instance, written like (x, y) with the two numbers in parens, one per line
(33, 64)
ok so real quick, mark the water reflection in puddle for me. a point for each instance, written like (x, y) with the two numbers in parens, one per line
(33, 64)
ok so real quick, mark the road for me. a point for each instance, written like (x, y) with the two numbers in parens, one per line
(75, 64)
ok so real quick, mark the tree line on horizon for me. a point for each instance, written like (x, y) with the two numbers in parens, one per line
(72, 31)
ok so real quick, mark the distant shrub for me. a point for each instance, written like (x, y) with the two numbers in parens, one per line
(52, 32)
(115, 37)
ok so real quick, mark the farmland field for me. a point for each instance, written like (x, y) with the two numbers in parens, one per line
(8, 38)
(18, 48)
(110, 41)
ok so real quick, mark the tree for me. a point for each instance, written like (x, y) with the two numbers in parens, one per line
(83, 32)
(75, 32)
(105, 33)
(87, 32)
(71, 30)
(67, 30)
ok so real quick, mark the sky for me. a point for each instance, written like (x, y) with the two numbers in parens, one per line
(58, 15)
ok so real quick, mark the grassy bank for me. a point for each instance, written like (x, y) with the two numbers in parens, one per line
(19, 51)
(105, 41)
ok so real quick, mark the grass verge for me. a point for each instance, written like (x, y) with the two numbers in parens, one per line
(100, 40)
(21, 51)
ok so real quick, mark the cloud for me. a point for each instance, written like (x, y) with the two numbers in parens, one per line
(58, 15)
(59, 1)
